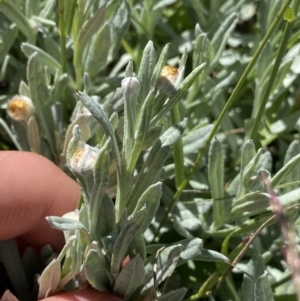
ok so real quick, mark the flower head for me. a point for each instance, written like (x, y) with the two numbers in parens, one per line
(83, 160)
(20, 108)
(168, 79)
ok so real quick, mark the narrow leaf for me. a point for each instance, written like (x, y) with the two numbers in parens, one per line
(106, 220)
(33, 136)
(216, 179)
(293, 150)
(12, 12)
(8, 38)
(130, 278)
(124, 239)
(145, 72)
(47, 60)
(220, 38)
(96, 271)
(248, 152)
(211, 255)
(49, 280)
(41, 100)
(263, 290)
(11, 260)
(285, 170)
(150, 198)
(175, 295)
(89, 29)
(97, 57)
(69, 11)
(104, 122)
(159, 65)
(159, 153)
(166, 261)
(65, 224)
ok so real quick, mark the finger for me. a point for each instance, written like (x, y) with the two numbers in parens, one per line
(84, 295)
(32, 188)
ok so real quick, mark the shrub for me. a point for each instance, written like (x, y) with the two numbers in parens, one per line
(167, 158)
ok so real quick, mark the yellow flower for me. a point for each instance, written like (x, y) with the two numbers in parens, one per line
(167, 79)
(20, 108)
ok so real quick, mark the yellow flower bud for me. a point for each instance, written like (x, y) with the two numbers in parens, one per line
(20, 108)
(167, 79)
(83, 160)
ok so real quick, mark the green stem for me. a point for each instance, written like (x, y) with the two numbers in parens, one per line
(178, 150)
(223, 270)
(63, 52)
(283, 45)
(229, 103)
(78, 74)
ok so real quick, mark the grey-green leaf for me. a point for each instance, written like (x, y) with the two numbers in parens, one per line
(8, 38)
(106, 219)
(175, 295)
(263, 290)
(221, 36)
(46, 59)
(65, 224)
(152, 167)
(40, 98)
(97, 57)
(97, 111)
(166, 261)
(49, 279)
(285, 170)
(255, 268)
(130, 278)
(33, 136)
(96, 271)
(216, 179)
(150, 198)
(194, 140)
(248, 152)
(145, 72)
(124, 239)
(12, 12)
(159, 65)
(293, 150)
(101, 181)
(151, 136)
(89, 29)
(211, 255)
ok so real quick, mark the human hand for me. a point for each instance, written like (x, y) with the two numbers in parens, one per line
(32, 188)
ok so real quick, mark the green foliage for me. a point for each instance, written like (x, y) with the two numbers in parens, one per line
(166, 162)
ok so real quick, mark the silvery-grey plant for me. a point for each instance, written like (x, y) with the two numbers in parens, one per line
(104, 233)
(126, 162)
(120, 139)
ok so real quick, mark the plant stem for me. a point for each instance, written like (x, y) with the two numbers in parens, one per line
(230, 101)
(63, 55)
(237, 254)
(283, 45)
(178, 150)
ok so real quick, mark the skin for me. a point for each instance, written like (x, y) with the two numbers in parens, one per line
(32, 188)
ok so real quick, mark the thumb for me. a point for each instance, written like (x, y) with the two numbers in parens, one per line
(84, 295)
